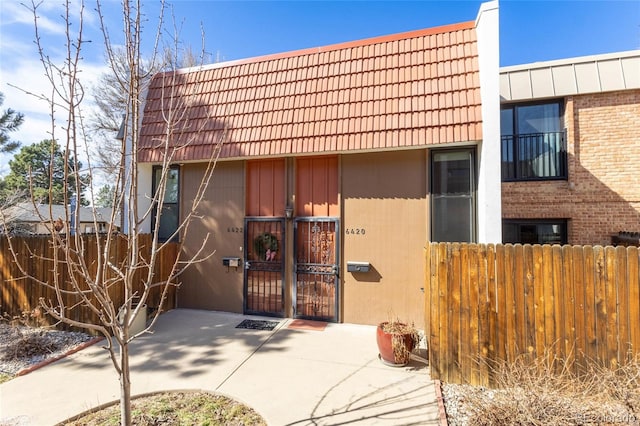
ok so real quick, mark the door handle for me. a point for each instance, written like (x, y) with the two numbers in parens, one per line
(247, 265)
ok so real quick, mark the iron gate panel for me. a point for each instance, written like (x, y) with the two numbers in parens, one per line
(316, 274)
(264, 266)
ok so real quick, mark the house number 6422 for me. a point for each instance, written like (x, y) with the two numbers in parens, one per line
(355, 231)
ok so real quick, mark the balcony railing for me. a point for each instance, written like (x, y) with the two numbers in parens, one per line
(534, 156)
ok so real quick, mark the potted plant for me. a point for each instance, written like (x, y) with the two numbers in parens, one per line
(396, 341)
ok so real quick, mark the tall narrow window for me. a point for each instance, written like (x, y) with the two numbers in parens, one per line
(453, 196)
(170, 215)
(533, 142)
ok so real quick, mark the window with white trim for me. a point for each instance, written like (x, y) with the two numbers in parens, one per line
(170, 215)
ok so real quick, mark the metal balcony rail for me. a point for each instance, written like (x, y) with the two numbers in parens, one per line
(534, 156)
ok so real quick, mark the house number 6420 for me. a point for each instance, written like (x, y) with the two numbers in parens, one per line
(355, 231)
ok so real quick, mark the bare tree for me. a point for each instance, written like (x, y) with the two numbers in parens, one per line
(109, 95)
(90, 284)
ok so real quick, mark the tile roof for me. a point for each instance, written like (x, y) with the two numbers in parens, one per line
(404, 90)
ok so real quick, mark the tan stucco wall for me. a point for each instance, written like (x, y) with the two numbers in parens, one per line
(384, 194)
(209, 285)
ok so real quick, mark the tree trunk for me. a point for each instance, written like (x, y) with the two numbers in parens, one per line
(125, 386)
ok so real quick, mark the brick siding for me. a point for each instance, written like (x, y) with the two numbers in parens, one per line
(602, 195)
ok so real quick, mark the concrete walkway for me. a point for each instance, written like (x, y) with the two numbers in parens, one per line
(291, 376)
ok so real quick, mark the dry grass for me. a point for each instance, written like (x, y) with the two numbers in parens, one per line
(177, 408)
(548, 392)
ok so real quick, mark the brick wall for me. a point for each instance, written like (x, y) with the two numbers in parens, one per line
(602, 194)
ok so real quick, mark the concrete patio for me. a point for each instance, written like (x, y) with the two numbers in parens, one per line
(291, 376)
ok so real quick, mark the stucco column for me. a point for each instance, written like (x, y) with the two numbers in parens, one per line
(489, 198)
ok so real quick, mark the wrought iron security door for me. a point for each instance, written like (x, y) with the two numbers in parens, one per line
(316, 268)
(264, 266)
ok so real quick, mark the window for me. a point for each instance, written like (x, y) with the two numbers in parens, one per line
(453, 195)
(170, 215)
(534, 231)
(533, 142)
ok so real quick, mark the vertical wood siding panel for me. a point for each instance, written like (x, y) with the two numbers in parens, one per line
(317, 187)
(265, 188)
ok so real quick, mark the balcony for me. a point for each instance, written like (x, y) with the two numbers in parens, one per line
(534, 157)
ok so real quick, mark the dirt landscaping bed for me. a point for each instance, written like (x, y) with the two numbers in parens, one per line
(22, 347)
(176, 408)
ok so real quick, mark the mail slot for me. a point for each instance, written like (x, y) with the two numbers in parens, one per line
(233, 262)
(358, 266)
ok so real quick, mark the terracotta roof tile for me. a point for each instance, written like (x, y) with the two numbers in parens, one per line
(412, 89)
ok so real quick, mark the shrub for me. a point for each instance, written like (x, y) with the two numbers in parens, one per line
(546, 391)
(29, 343)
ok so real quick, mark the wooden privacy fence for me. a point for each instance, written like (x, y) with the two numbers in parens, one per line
(488, 303)
(19, 293)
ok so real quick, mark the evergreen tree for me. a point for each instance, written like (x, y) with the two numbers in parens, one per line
(105, 196)
(10, 121)
(40, 167)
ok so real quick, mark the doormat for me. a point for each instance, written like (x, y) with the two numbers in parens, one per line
(299, 324)
(258, 324)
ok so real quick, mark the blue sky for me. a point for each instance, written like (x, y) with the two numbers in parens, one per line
(529, 32)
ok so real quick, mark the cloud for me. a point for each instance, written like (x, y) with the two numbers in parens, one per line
(22, 74)
(24, 83)
(48, 15)
(25, 87)
(18, 28)
(19, 14)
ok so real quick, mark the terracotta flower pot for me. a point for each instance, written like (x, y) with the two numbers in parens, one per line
(396, 343)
